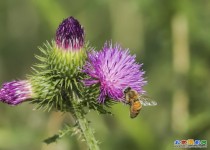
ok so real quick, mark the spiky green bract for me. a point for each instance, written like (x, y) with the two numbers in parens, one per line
(90, 95)
(62, 63)
(57, 76)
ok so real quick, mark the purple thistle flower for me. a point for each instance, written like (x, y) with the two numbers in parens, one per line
(70, 35)
(114, 69)
(15, 92)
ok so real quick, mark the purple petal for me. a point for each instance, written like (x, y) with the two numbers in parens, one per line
(70, 34)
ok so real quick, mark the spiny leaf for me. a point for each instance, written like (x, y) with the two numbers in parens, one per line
(52, 139)
(73, 130)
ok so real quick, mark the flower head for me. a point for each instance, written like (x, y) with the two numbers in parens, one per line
(70, 35)
(113, 69)
(15, 92)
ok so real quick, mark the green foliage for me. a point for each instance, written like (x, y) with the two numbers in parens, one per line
(73, 130)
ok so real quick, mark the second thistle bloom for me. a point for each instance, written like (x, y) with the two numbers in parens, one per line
(114, 69)
(15, 92)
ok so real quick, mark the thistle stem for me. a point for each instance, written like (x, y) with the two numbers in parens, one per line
(85, 128)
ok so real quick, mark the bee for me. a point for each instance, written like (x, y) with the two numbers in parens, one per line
(136, 101)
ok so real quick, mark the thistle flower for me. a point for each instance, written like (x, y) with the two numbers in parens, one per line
(15, 92)
(113, 69)
(70, 35)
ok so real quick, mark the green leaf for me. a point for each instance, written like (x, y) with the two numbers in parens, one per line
(52, 139)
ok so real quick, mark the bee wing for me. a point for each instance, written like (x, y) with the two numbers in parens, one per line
(147, 101)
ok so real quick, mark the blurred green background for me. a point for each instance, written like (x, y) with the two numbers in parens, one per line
(171, 38)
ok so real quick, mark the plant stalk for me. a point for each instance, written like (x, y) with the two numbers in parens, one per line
(84, 126)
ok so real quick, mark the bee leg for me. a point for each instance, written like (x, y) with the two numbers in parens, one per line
(126, 102)
(133, 114)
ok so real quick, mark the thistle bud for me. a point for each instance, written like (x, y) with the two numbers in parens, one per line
(70, 35)
(59, 70)
(16, 92)
(69, 52)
